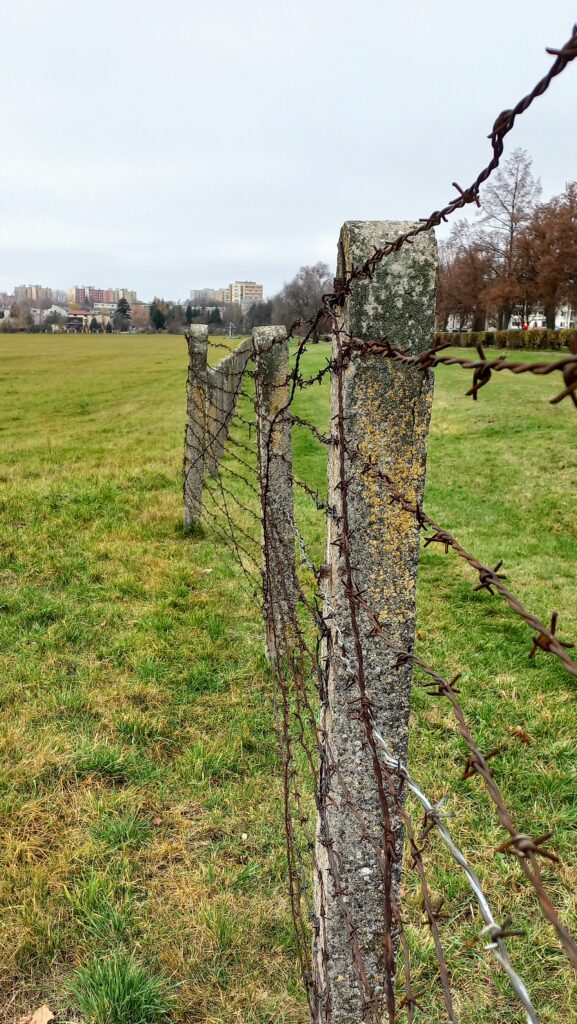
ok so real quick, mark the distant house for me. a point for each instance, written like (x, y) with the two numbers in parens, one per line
(77, 323)
(566, 316)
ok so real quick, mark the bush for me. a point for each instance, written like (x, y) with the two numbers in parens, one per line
(568, 338)
(535, 340)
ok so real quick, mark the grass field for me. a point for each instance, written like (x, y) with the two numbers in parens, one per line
(142, 854)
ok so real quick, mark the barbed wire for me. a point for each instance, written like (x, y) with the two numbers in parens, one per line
(503, 124)
(311, 635)
(293, 687)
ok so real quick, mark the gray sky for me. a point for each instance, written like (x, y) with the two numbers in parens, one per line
(169, 145)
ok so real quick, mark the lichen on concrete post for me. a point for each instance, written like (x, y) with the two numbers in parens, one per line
(275, 475)
(380, 412)
(195, 437)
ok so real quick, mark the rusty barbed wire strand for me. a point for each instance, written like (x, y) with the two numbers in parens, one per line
(304, 633)
(503, 124)
(482, 367)
(487, 576)
(389, 846)
(496, 932)
(489, 571)
(417, 860)
(546, 638)
(529, 848)
(254, 583)
(356, 601)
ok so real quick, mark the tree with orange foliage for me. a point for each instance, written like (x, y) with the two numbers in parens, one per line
(549, 244)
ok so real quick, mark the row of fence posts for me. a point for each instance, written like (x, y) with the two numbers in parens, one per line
(379, 414)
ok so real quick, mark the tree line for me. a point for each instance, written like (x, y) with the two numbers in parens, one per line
(519, 255)
(298, 299)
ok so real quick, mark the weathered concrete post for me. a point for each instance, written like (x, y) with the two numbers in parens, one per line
(275, 473)
(380, 410)
(196, 426)
(224, 383)
(215, 414)
(233, 374)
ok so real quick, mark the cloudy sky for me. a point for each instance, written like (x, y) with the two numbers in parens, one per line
(169, 145)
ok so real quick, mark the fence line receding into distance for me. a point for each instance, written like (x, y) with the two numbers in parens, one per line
(340, 630)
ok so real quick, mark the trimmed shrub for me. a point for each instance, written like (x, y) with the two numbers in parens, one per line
(535, 340)
(569, 339)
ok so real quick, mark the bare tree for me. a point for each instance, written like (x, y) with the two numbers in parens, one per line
(300, 298)
(486, 268)
(507, 201)
(258, 315)
(232, 313)
(464, 275)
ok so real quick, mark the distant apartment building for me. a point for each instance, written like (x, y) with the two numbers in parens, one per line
(202, 296)
(242, 293)
(88, 295)
(245, 293)
(76, 296)
(33, 294)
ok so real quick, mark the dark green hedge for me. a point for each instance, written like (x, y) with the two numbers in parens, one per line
(533, 339)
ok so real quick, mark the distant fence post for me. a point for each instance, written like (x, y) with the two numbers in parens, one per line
(275, 473)
(380, 411)
(224, 385)
(215, 414)
(195, 437)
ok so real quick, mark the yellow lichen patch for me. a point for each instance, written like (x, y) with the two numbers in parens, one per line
(391, 422)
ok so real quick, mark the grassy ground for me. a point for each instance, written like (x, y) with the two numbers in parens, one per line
(142, 856)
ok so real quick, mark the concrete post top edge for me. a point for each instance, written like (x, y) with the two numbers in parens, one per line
(386, 230)
(198, 332)
(358, 240)
(263, 336)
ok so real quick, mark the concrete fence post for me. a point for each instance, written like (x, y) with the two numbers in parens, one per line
(275, 474)
(195, 438)
(224, 384)
(380, 413)
(215, 415)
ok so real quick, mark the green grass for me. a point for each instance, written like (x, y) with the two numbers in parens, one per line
(118, 990)
(140, 800)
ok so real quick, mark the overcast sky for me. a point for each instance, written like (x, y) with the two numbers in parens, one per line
(171, 145)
